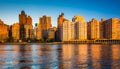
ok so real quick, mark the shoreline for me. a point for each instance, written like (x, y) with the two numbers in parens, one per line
(30, 43)
(54, 43)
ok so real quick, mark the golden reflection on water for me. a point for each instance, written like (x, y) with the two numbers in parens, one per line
(66, 56)
(82, 56)
(96, 56)
(115, 57)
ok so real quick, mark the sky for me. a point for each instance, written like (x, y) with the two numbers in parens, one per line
(10, 9)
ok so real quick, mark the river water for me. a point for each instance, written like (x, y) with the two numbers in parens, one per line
(60, 56)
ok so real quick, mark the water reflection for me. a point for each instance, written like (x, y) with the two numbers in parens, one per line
(81, 56)
(60, 56)
(96, 56)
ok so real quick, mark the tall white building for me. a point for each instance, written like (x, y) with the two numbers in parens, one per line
(75, 30)
(66, 31)
(80, 28)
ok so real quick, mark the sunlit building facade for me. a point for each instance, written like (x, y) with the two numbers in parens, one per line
(51, 33)
(16, 31)
(112, 28)
(28, 31)
(59, 26)
(45, 22)
(66, 31)
(94, 29)
(26, 28)
(3, 31)
(80, 28)
(73, 31)
(38, 32)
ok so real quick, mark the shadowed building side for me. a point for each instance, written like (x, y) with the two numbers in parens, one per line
(94, 29)
(112, 28)
(60, 20)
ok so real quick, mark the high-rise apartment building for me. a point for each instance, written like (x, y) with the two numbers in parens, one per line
(80, 28)
(94, 29)
(45, 22)
(112, 28)
(59, 26)
(26, 28)
(38, 32)
(3, 31)
(66, 30)
(16, 31)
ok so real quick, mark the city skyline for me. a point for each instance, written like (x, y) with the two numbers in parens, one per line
(37, 8)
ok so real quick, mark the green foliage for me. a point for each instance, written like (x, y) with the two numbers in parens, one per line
(50, 40)
(10, 39)
(36, 24)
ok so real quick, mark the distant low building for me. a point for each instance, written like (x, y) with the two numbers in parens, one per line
(51, 33)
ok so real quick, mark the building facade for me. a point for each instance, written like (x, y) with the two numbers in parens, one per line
(38, 32)
(51, 33)
(26, 28)
(16, 31)
(112, 28)
(80, 28)
(45, 22)
(94, 29)
(3, 31)
(66, 30)
(59, 26)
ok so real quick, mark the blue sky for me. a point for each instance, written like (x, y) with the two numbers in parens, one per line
(10, 9)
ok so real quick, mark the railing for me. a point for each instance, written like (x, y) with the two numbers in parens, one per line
(94, 41)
